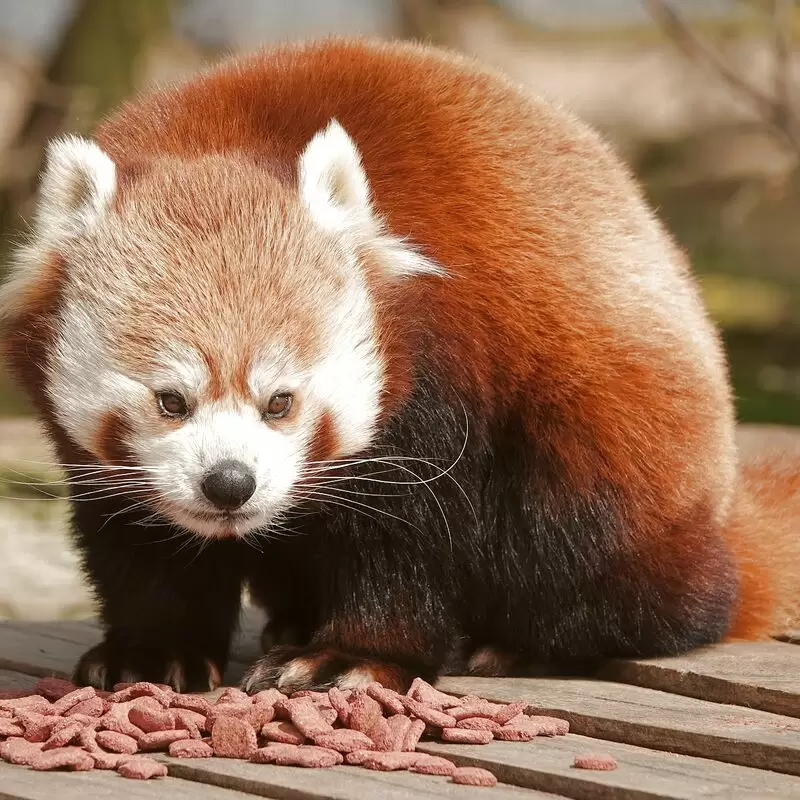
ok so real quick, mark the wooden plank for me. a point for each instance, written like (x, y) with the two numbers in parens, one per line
(339, 783)
(20, 783)
(26, 651)
(15, 680)
(653, 719)
(54, 648)
(764, 675)
(546, 764)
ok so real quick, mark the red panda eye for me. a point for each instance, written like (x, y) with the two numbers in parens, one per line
(172, 404)
(279, 405)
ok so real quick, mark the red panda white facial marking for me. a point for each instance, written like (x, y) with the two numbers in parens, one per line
(215, 285)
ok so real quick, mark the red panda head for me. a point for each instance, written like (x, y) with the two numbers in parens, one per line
(213, 321)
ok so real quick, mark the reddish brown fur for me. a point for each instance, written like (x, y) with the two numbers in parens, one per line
(583, 348)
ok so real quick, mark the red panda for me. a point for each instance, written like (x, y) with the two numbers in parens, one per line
(373, 330)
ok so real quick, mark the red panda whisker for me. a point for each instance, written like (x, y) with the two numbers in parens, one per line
(316, 486)
(356, 506)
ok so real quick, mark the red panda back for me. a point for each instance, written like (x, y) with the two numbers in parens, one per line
(565, 283)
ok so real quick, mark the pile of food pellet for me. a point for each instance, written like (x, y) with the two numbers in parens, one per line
(63, 727)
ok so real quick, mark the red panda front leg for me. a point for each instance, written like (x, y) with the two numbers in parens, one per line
(168, 610)
(377, 621)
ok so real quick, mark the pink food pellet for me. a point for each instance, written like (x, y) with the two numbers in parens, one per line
(478, 724)
(433, 765)
(414, 735)
(237, 710)
(161, 740)
(388, 762)
(150, 720)
(259, 715)
(53, 688)
(382, 736)
(268, 754)
(282, 732)
(35, 703)
(481, 709)
(87, 739)
(426, 693)
(191, 702)
(117, 742)
(344, 741)
(357, 757)
(515, 734)
(306, 717)
(598, 762)
(141, 768)
(338, 700)
(317, 697)
(473, 776)
(189, 721)
(388, 698)
(233, 738)
(73, 758)
(466, 736)
(268, 696)
(10, 728)
(143, 689)
(430, 715)
(399, 725)
(508, 712)
(232, 695)
(311, 757)
(364, 712)
(106, 760)
(547, 726)
(19, 751)
(65, 703)
(93, 707)
(190, 748)
(62, 737)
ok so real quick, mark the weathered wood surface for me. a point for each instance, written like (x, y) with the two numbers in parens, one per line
(654, 719)
(340, 783)
(699, 726)
(763, 675)
(17, 783)
(546, 764)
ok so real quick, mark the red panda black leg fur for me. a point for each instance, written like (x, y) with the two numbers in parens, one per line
(168, 611)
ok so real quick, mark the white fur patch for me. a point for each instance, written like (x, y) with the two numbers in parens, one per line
(78, 183)
(218, 431)
(335, 190)
(333, 184)
(84, 380)
(348, 381)
(356, 678)
(297, 671)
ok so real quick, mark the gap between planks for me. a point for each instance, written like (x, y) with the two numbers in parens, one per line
(652, 719)
(763, 675)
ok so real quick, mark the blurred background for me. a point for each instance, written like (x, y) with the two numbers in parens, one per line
(698, 95)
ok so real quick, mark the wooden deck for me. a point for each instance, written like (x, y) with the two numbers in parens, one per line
(723, 722)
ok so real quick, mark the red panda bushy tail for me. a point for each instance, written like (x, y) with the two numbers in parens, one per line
(763, 531)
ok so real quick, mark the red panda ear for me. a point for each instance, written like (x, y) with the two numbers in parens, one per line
(333, 184)
(78, 183)
(335, 190)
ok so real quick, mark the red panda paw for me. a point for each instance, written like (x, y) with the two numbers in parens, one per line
(107, 664)
(294, 669)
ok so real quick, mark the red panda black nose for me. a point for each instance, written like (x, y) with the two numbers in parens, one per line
(229, 485)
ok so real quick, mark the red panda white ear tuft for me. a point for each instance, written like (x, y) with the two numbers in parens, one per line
(335, 190)
(78, 183)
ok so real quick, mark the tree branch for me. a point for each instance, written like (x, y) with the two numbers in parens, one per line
(775, 110)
